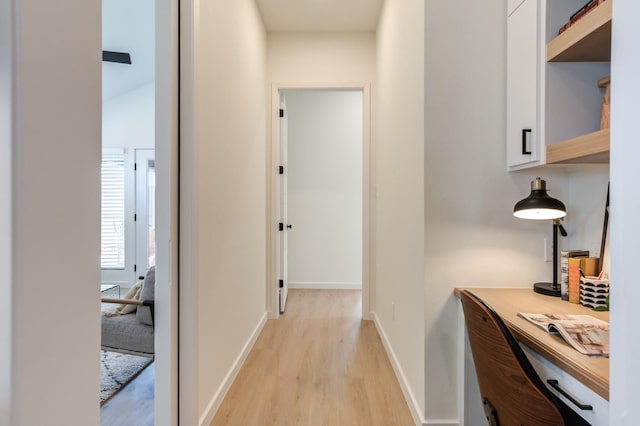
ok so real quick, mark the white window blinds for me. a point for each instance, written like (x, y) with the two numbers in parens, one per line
(112, 249)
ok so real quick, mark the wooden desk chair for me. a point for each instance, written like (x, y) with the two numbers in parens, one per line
(512, 392)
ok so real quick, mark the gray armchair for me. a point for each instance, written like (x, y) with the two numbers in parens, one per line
(133, 332)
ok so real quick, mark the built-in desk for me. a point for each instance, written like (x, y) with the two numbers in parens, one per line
(555, 354)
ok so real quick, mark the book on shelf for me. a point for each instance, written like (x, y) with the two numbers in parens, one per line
(574, 280)
(584, 10)
(566, 273)
(586, 334)
(579, 267)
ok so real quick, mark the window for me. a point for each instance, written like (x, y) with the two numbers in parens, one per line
(113, 199)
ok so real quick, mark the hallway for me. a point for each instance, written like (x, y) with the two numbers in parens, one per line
(319, 364)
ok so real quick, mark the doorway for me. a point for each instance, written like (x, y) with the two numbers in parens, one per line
(140, 114)
(323, 189)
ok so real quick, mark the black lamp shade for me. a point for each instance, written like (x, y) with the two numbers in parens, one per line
(539, 205)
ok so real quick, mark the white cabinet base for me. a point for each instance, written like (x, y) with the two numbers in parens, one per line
(599, 416)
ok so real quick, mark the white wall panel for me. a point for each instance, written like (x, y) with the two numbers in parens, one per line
(625, 204)
(6, 204)
(56, 201)
(324, 173)
(224, 159)
(399, 189)
(129, 119)
(321, 58)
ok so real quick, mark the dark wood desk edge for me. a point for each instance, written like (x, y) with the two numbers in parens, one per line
(592, 381)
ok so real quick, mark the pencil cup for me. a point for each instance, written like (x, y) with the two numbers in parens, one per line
(593, 292)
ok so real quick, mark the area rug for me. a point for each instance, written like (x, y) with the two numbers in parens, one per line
(117, 369)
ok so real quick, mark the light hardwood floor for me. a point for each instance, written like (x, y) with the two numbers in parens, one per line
(319, 364)
(133, 404)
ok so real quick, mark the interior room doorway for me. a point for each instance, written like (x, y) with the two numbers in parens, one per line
(329, 196)
(140, 118)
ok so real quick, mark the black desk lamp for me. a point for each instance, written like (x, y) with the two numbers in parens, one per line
(540, 206)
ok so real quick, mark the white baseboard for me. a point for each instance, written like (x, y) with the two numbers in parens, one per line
(414, 407)
(218, 397)
(326, 285)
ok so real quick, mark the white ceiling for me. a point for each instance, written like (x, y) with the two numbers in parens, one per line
(128, 26)
(320, 15)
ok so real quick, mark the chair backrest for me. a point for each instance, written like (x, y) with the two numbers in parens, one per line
(512, 392)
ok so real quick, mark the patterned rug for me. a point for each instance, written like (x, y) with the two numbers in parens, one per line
(116, 370)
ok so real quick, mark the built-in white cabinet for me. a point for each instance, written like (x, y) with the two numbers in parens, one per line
(585, 402)
(524, 94)
(553, 99)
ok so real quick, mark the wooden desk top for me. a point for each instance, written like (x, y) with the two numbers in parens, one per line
(507, 302)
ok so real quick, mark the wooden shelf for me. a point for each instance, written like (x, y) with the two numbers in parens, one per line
(592, 148)
(588, 40)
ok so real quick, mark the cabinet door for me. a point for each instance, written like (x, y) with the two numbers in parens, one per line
(598, 415)
(523, 135)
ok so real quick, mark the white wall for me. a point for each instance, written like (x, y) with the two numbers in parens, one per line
(128, 27)
(321, 57)
(56, 201)
(324, 169)
(625, 202)
(585, 207)
(398, 156)
(471, 236)
(128, 120)
(6, 204)
(223, 163)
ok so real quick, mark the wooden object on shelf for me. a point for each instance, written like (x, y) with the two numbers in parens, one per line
(574, 279)
(605, 83)
(589, 265)
(589, 39)
(589, 148)
(580, 13)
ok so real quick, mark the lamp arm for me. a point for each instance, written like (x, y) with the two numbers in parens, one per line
(556, 226)
(563, 231)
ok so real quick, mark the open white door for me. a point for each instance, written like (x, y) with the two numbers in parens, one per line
(284, 225)
(145, 211)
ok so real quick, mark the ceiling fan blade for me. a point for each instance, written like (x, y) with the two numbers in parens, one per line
(118, 57)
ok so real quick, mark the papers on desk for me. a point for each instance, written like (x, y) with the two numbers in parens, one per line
(586, 334)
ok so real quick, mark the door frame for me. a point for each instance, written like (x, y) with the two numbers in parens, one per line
(167, 98)
(273, 192)
(141, 200)
(283, 189)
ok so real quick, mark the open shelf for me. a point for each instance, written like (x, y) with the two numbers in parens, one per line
(588, 40)
(591, 148)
